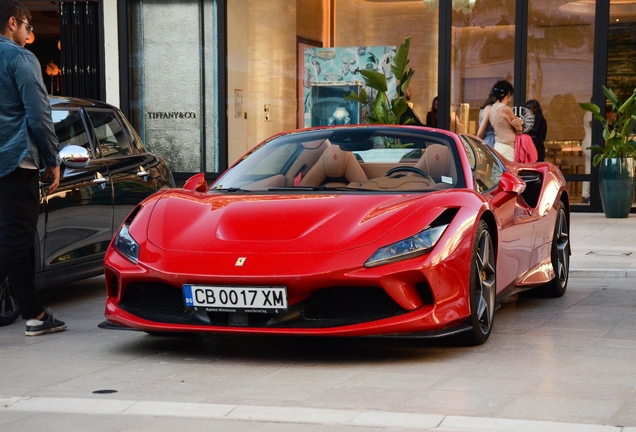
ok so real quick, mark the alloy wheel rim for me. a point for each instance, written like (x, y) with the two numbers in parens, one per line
(562, 246)
(485, 262)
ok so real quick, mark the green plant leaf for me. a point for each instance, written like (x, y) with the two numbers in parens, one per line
(378, 106)
(599, 118)
(609, 94)
(406, 79)
(401, 58)
(615, 142)
(593, 108)
(399, 107)
(628, 103)
(403, 86)
(362, 97)
(356, 97)
(375, 80)
(619, 142)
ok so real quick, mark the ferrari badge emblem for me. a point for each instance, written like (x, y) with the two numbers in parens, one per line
(240, 262)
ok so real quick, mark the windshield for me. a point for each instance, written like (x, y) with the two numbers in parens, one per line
(357, 158)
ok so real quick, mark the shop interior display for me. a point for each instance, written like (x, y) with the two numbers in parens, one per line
(329, 107)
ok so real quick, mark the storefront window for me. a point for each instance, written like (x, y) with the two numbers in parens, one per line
(560, 71)
(292, 62)
(171, 108)
(621, 56)
(483, 53)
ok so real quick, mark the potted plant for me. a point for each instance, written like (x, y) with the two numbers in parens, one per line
(616, 157)
(383, 110)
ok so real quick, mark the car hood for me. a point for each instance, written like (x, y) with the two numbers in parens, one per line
(316, 223)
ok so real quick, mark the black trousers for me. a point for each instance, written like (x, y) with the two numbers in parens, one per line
(19, 208)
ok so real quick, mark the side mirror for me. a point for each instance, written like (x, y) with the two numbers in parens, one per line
(74, 156)
(196, 183)
(509, 187)
(511, 184)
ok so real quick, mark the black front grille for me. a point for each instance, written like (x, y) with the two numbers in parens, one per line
(156, 301)
(347, 305)
(328, 307)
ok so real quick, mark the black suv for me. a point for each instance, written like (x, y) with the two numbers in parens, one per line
(105, 172)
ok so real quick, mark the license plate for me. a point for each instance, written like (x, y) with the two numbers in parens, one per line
(236, 299)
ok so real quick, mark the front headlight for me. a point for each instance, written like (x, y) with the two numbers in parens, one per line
(413, 246)
(126, 245)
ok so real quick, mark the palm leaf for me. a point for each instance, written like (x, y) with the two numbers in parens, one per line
(401, 58)
(374, 79)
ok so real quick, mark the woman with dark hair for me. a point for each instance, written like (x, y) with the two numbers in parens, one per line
(486, 131)
(503, 120)
(431, 116)
(539, 129)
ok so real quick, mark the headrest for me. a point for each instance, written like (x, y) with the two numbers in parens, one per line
(336, 161)
(436, 161)
(334, 164)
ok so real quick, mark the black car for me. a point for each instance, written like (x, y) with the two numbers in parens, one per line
(105, 172)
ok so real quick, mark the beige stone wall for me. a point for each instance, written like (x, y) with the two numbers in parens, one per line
(309, 19)
(271, 63)
(261, 63)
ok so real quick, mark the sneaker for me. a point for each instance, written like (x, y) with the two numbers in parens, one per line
(48, 324)
(585, 200)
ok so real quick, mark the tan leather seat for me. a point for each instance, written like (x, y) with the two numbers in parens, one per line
(335, 168)
(437, 162)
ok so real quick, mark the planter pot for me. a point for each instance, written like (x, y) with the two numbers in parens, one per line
(617, 186)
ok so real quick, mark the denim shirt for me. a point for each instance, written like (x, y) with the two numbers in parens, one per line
(26, 126)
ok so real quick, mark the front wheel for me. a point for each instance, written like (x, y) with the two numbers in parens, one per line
(483, 286)
(9, 308)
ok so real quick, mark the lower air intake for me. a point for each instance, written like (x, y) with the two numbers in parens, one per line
(156, 301)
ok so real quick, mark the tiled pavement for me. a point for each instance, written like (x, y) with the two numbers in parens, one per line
(565, 364)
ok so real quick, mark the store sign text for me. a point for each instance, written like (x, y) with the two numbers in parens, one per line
(171, 115)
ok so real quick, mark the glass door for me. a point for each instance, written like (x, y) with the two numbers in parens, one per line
(483, 41)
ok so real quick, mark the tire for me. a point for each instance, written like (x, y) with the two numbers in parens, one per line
(483, 288)
(560, 257)
(9, 308)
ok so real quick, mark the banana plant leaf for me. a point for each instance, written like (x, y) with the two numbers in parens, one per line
(374, 79)
(401, 58)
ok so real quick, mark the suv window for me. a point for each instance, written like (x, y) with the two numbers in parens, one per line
(132, 134)
(110, 134)
(70, 129)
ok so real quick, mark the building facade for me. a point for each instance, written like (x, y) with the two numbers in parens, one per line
(203, 81)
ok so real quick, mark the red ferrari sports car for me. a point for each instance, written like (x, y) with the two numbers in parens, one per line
(344, 231)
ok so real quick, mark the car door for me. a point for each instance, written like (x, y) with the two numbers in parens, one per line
(129, 171)
(516, 219)
(79, 214)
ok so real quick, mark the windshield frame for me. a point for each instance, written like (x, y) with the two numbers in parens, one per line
(283, 173)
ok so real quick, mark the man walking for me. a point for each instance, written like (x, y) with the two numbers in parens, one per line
(27, 142)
